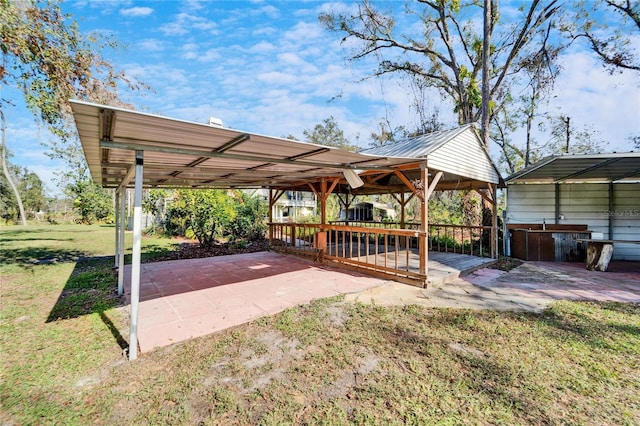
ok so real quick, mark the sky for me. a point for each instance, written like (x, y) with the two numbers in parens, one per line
(270, 67)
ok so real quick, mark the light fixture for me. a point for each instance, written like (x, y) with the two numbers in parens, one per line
(352, 177)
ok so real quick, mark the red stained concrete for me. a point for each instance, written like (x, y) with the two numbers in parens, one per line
(183, 299)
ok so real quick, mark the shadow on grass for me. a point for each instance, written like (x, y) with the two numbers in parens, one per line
(92, 285)
(593, 323)
(91, 288)
(30, 256)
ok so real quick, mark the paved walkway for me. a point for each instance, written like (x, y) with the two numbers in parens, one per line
(531, 286)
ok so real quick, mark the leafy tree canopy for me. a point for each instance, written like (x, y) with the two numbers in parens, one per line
(329, 134)
(47, 58)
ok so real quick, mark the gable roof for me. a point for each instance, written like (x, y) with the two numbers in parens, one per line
(458, 151)
(614, 167)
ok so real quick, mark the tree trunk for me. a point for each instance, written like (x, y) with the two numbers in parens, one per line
(7, 174)
(486, 44)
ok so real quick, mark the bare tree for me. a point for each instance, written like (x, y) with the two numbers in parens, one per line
(447, 53)
(611, 39)
(7, 172)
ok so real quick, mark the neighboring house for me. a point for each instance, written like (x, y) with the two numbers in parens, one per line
(292, 206)
(601, 192)
(368, 211)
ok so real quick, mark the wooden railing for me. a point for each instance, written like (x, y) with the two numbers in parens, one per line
(462, 239)
(383, 251)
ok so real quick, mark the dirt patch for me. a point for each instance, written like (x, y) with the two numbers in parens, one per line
(506, 264)
(267, 359)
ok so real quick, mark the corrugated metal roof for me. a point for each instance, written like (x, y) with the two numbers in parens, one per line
(458, 152)
(614, 167)
(183, 154)
(180, 153)
(419, 146)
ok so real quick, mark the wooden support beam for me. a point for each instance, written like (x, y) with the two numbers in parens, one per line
(408, 183)
(313, 189)
(331, 188)
(323, 202)
(432, 186)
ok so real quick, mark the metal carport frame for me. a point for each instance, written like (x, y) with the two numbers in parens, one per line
(122, 146)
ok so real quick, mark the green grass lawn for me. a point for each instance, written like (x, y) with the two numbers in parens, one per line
(330, 362)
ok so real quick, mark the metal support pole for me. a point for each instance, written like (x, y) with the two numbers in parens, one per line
(494, 222)
(116, 258)
(557, 203)
(122, 205)
(135, 259)
(611, 210)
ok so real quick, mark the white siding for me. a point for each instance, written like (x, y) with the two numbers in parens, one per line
(586, 204)
(464, 156)
(530, 203)
(582, 204)
(626, 219)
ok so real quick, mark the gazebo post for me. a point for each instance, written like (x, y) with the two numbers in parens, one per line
(403, 205)
(424, 221)
(271, 202)
(323, 203)
(135, 259)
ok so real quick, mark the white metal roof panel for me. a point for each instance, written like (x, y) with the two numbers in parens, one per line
(179, 153)
(614, 167)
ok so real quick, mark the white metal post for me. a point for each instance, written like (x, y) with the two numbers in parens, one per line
(135, 259)
(117, 254)
(122, 221)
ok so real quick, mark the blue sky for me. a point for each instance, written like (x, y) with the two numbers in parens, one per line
(271, 68)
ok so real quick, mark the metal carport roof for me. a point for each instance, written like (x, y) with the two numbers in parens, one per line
(615, 167)
(186, 154)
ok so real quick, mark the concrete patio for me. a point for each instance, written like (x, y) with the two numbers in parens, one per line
(529, 287)
(183, 299)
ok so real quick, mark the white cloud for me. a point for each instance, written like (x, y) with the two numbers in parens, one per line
(262, 48)
(151, 45)
(136, 11)
(590, 96)
(277, 78)
(184, 23)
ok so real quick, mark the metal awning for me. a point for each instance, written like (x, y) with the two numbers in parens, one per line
(179, 154)
(595, 168)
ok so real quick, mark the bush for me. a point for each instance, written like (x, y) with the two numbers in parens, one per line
(208, 215)
(249, 222)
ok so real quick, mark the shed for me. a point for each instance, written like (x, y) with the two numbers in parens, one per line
(599, 193)
(368, 211)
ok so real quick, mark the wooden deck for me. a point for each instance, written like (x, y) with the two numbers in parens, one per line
(441, 267)
(388, 253)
